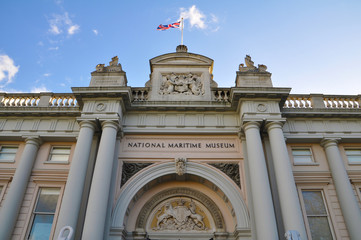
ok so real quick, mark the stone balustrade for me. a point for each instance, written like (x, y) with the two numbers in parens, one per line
(20, 100)
(38, 100)
(221, 94)
(323, 101)
(294, 101)
(140, 94)
(63, 100)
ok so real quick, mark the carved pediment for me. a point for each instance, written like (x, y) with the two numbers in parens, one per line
(181, 76)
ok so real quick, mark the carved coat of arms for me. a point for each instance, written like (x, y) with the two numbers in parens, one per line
(179, 218)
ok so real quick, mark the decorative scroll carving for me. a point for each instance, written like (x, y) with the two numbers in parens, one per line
(179, 217)
(180, 166)
(250, 66)
(114, 66)
(129, 169)
(231, 169)
(187, 84)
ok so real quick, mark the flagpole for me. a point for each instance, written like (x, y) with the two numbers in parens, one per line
(182, 32)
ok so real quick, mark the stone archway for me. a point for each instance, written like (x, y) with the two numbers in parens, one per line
(155, 171)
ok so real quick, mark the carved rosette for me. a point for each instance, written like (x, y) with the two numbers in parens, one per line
(180, 166)
(187, 84)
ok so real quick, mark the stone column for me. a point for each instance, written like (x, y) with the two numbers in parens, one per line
(264, 216)
(289, 201)
(71, 202)
(96, 212)
(12, 203)
(113, 187)
(345, 194)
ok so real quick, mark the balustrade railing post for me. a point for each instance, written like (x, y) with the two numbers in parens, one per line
(317, 100)
(359, 100)
(44, 99)
(2, 95)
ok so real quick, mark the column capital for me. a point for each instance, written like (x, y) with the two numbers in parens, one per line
(35, 140)
(87, 123)
(110, 124)
(252, 124)
(274, 124)
(328, 142)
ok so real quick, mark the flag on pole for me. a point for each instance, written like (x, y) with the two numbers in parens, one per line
(165, 27)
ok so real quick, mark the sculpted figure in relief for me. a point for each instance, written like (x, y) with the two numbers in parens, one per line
(179, 217)
(180, 166)
(188, 84)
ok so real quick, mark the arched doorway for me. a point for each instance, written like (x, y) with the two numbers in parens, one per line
(203, 204)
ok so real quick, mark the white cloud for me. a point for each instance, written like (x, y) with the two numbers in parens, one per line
(195, 16)
(73, 29)
(39, 89)
(62, 23)
(47, 74)
(95, 31)
(7, 70)
(54, 48)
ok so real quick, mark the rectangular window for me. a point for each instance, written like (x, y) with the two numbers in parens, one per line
(59, 154)
(43, 213)
(302, 155)
(353, 155)
(7, 153)
(317, 215)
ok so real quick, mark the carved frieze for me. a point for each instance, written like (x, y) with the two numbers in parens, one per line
(187, 84)
(129, 169)
(231, 169)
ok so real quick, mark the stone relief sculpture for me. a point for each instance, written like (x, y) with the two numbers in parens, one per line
(188, 84)
(114, 66)
(177, 216)
(250, 66)
(180, 166)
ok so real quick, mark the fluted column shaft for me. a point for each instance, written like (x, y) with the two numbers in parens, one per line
(96, 212)
(349, 206)
(14, 198)
(289, 201)
(264, 216)
(71, 202)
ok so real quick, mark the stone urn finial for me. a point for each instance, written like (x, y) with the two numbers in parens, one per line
(182, 48)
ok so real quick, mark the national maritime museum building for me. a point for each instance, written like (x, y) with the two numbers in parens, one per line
(180, 158)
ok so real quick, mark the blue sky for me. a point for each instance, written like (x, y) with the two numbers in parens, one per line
(312, 46)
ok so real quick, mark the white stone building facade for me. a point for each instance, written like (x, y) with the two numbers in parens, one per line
(180, 158)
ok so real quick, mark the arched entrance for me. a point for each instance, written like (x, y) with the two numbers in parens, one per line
(202, 204)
